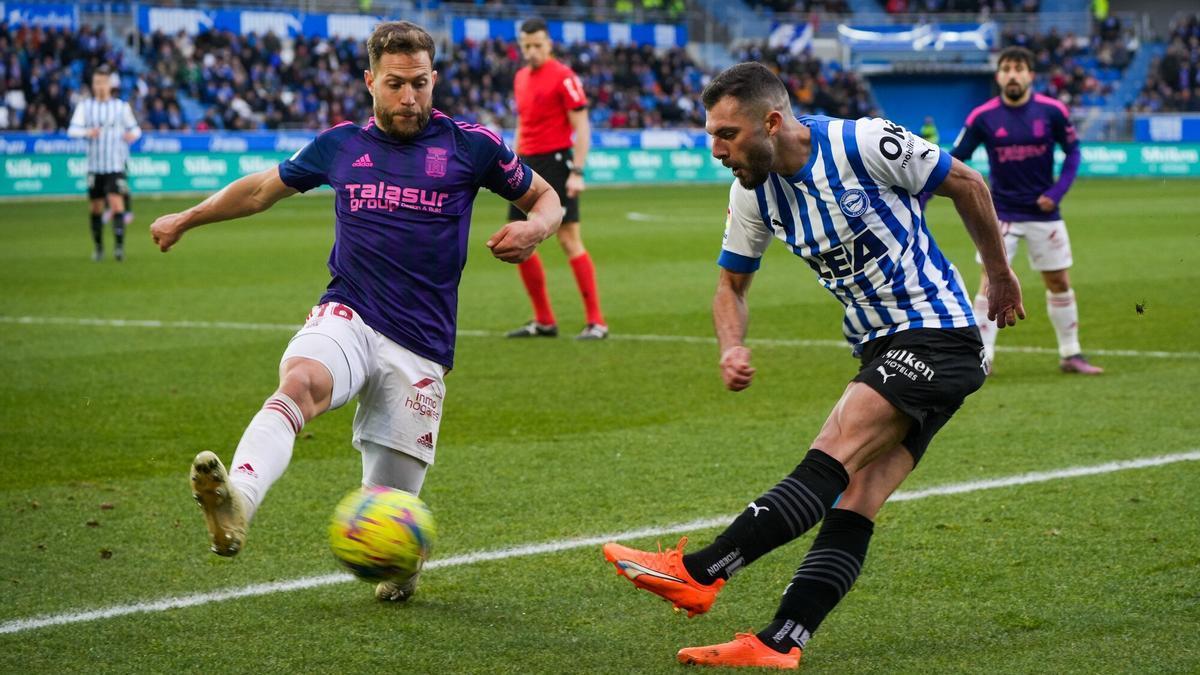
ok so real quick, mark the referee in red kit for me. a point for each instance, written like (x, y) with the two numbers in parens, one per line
(551, 106)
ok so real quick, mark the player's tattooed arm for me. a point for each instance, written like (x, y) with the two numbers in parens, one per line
(973, 201)
(243, 197)
(516, 241)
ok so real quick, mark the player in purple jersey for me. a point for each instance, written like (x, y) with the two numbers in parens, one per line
(1020, 129)
(384, 330)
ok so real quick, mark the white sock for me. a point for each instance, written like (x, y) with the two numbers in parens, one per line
(1064, 314)
(265, 449)
(987, 327)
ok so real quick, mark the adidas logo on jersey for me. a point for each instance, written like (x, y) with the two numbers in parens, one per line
(364, 161)
(426, 441)
(1002, 133)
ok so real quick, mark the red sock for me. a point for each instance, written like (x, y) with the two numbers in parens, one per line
(585, 278)
(534, 276)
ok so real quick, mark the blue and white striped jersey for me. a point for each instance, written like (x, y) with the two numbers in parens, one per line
(852, 214)
(107, 152)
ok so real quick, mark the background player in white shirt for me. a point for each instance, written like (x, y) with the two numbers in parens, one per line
(842, 195)
(109, 125)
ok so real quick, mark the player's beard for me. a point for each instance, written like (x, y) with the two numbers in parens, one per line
(1015, 91)
(757, 167)
(399, 127)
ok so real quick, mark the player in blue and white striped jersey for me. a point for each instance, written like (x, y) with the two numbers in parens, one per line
(109, 125)
(841, 195)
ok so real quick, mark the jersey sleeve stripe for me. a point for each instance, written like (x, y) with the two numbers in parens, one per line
(1047, 100)
(760, 193)
(736, 262)
(990, 105)
(939, 173)
(789, 221)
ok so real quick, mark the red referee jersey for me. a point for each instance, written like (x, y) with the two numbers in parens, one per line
(544, 96)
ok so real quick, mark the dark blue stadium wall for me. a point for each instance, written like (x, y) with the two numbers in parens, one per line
(907, 99)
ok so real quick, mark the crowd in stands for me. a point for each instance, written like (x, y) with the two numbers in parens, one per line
(814, 87)
(220, 80)
(961, 6)
(1173, 83)
(42, 71)
(1078, 70)
(627, 86)
(827, 6)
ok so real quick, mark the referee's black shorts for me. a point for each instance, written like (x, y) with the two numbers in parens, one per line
(926, 373)
(555, 168)
(100, 185)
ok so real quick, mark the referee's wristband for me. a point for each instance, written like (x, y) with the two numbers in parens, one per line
(577, 171)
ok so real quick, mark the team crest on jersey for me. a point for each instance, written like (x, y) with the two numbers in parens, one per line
(435, 162)
(1039, 128)
(853, 203)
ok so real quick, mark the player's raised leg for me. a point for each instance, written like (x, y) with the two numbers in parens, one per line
(322, 368)
(862, 425)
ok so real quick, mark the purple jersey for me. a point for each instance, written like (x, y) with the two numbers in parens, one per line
(402, 213)
(1020, 146)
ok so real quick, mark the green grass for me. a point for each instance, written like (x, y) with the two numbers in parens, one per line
(551, 440)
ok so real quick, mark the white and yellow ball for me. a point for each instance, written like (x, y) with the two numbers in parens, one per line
(382, 534)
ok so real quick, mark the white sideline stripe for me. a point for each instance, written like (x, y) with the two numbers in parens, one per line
(21, 625)
(687, 339)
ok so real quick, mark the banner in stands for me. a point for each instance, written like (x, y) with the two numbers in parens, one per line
(171, 20)
(243, 22)
(1167, 128)
(41, 14)
(656, 34)
(62, 174)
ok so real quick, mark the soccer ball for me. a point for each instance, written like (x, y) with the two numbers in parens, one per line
(381, 534)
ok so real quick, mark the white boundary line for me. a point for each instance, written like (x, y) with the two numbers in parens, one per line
(22, 625)
(687, 339)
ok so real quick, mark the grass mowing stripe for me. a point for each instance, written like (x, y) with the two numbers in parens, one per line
(688, 339)
(21, 625)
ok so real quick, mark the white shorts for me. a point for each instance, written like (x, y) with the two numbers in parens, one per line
(400, 394)
(1049, 247)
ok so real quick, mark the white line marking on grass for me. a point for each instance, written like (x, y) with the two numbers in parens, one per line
(686, 339)
(21, 625)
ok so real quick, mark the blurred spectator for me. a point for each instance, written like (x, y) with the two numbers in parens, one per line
(814, 87)
(45, 71)
(1173, 83)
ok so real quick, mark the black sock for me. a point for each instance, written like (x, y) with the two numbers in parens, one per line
(821, 581)
(785, 512)
(98, 230)
(118, 223)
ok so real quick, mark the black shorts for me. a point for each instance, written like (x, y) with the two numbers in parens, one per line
(101, 185)
(926, 373)
(555, 168)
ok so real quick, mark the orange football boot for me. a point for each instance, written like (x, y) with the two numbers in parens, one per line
(746, 650)
(664, 575)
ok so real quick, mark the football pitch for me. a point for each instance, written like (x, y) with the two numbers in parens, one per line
(1053, 526)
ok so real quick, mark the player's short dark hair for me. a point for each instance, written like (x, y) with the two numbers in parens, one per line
(398, 37)
(534, 25)
(102, 69)
(1015, 53)
(749, 82)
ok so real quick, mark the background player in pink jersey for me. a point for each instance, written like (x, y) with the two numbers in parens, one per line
(1020, 129)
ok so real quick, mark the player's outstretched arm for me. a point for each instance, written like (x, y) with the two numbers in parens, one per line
(516, 241)
(973, 201)
(730, 318)
(243, 197)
